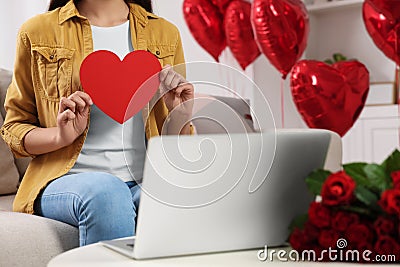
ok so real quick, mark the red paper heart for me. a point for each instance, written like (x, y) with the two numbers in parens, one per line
(330, 97)
(120, 88)
(382, 20)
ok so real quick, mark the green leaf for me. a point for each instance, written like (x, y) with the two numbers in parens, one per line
(377, 177)
(315, 181)
(339, 57)
(392, 163)
(329, 61)
(359, 210)
(356, 171)
(366, 196)
(298, 222)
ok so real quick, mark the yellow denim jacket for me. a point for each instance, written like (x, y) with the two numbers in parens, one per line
(50, 50)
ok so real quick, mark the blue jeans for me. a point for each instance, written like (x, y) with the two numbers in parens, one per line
(100, 204)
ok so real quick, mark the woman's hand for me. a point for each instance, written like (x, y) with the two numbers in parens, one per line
(178, 97)
(71, 122)
(178, 93)
(72, 117)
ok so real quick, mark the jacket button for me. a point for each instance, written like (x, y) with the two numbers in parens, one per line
(51, 56)
(157, 53)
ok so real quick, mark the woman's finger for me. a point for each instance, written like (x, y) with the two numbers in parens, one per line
(67, 115)
(168, 79)
(80, 103)
(86, 110)
(185, 89)
(164, 72)
(176, 81)
(180, 89)
(85, 97)
(66, 104)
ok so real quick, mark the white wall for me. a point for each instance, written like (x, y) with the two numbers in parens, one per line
(12, 15)
(343, 30)
(270, 82)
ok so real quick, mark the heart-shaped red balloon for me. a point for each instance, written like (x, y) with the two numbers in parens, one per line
(239, 34)
(382, 20)
(221, 4)
(281, 28)
(330, 97)
(205, 22)
(120, 88)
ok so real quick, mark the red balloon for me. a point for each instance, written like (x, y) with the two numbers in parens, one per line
(221, 4)
(239, 35)
(382, 20)
(330, 97)
(281, 28)
(206, 25)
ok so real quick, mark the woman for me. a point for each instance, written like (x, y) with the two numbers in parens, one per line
(77, 175)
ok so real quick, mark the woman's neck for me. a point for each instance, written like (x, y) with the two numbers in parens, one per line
(104, 13)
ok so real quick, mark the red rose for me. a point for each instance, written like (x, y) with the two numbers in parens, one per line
(362, 246)
(311, 232)
(385, 245)
(342, 220)
(390, 201)
(319, 215)
(396, 179)
(384, 226)
(338, 189)
(328, 238)
(297, 239)
(357, 234)
(398, 228)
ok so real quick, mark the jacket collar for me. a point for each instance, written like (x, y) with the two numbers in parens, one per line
(69, 11)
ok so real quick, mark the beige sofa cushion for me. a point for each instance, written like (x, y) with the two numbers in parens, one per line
(9, 176)
(29, 240)
(5, 80)
(6, 203)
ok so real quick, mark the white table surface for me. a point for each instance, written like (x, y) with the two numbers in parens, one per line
(97, 255)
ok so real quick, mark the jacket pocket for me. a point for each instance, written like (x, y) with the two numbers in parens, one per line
(164, 53)
(52, 71)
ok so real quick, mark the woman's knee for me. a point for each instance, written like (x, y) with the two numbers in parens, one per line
(106, 190)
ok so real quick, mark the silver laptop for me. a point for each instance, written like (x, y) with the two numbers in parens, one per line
(214, 193)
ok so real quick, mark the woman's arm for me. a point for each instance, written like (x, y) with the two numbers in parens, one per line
(20, 103)
(42, 140)
(21, 130)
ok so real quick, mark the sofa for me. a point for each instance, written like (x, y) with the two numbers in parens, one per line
(30, 240)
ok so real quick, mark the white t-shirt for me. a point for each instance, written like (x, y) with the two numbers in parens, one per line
(109, 146)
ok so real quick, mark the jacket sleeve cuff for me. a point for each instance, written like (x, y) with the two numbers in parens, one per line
(16, 142)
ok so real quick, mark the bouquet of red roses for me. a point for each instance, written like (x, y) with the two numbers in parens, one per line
(355, 209)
